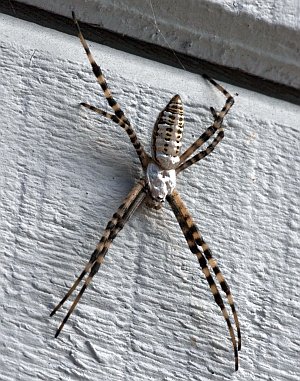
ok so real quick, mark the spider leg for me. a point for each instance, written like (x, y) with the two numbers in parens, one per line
(132, 136)
(192, 235)
(144, 158)
(98, 73)
(106, 114)
(202, 154)
(214, 113)
(217, 126)
(197, 144)
(208, 254)
(109, 228)
(115, 225)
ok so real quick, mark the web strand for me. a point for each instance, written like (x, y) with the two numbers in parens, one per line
(155, 23)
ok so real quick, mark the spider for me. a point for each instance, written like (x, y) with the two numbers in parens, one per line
(158, 185)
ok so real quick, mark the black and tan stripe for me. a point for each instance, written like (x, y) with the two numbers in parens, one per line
(225, 92)
(205, 152)
(201, 140)
(109, 228)
(114, 226)
(129, 130)
(208, 254)
(184, 219)
(217, 126)
(98, 73)
(120, 116)
(228, 104)
(198, 143)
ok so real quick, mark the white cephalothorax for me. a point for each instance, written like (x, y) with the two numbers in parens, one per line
(161, 182)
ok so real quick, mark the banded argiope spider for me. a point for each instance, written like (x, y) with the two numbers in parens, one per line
(158, 185)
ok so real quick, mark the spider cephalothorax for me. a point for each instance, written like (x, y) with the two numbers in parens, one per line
(158, 185)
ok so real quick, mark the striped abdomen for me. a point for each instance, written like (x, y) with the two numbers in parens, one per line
(167, 134)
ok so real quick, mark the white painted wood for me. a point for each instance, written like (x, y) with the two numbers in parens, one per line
(149, 314)
(258, 37)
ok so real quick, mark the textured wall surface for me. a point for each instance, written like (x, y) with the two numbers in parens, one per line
(149, 314)
(258, 37)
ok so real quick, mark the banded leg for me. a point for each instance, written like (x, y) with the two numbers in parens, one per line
(111, 101)
(217, 126)
(208, 254)
(184, 219)
(115, 225)
(201, 140)
(120, 214)
(132, 136)
(202, 154)
(228, 104)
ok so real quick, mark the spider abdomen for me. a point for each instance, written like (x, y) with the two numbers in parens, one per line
(167, 134)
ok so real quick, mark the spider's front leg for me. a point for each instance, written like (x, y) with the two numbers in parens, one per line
(217, 126)
(119, 117)
(118, 221)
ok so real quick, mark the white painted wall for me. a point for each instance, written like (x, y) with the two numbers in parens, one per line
(149, 314)
(258, 37)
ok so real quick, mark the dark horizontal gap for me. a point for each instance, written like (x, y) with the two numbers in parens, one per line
(150, 51)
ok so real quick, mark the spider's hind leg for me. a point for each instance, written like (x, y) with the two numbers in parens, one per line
(190, 224)
(194, 238)
(118, 221)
